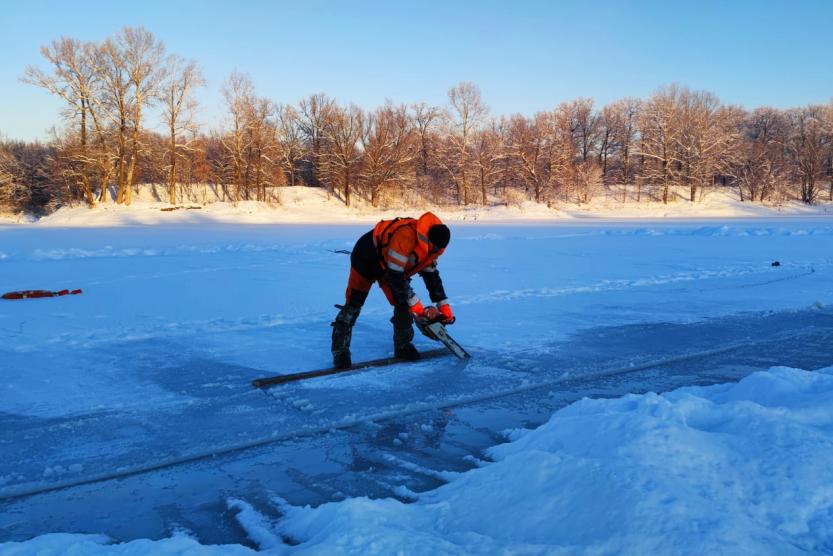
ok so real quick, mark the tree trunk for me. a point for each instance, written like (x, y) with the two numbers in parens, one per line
(135, 152)
(105, 182)
(625, 172)
(809, 193)
(257, 176)
(172, 175)
(128, 189)
(604, 168)
(347, 187)
(85, 177)
(238, 177)
(246, 174)
(122, 154)
(483, 185)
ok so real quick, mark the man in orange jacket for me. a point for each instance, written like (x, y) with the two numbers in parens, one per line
(391, 254)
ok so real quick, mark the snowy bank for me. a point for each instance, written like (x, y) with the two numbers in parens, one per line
(739, 468)
(313, 205)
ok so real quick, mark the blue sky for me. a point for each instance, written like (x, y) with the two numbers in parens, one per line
(525, 56)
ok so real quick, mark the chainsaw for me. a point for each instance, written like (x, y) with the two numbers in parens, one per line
(435, 330)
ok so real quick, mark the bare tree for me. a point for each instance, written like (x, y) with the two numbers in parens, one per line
(13, 195)
(626, 137)
(762, 166)
(30, 179)
(468, 113)
(488, 155)
(315, 112)
(830, 140)
(531, 144)
(116, 105)
(182, 77)
(72, 78)
(142, 56)
(340, 151)
(388, 149)
(610, 122)
(262, 145)
(660, 133)
(566, 153)
(105, 152)
(425, 118)
(707, 134)
(290, 141)
(238, 92)
(587, 178)
(808, 146)
(584, 125)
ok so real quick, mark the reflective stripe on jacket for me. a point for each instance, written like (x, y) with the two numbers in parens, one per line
(403, 244)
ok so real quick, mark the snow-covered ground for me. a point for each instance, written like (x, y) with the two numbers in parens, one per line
(314, 205)
(129, 425)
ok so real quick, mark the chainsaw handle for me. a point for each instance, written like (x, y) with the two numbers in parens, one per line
(426, 322)
(438, 316)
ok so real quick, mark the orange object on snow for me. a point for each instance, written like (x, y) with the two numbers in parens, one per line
(33, 294)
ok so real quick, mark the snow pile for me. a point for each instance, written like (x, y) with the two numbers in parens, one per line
(740, 468)
(62, 544)
(716, 204)
(7, 218)
(737, 468)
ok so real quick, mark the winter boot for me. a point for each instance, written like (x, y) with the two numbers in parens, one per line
(403, 334)
(342, 334)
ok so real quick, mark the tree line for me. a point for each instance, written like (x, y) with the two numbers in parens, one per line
(678, 141)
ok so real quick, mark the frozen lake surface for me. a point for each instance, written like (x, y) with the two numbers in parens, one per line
(127, 410)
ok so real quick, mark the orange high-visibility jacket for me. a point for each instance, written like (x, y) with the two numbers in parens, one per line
(404, 250)
(403, 243)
